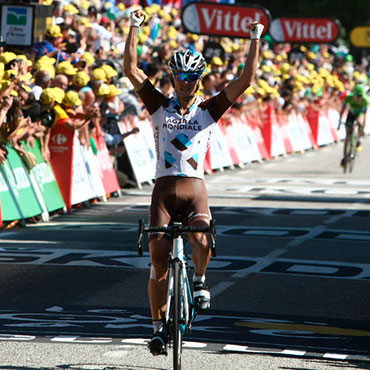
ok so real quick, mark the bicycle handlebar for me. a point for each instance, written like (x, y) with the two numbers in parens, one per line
(175, 230)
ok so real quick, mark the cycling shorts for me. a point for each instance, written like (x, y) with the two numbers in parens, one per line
(176, 198)
(352, 118)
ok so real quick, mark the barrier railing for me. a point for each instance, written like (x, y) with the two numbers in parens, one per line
(75, 174)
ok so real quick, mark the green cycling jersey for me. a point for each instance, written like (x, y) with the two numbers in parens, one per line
(357, 105)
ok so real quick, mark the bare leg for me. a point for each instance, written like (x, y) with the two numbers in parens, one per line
(346, 141)
(157, 286)
(200, 244)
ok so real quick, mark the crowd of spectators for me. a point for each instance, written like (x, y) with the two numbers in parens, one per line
(74, 75)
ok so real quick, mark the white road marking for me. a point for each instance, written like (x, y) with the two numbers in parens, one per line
(310, 235)
(260, 265)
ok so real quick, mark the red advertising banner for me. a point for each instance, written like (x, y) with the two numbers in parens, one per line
(223, 20)
(61, 159)
(108, 174)
(297, 29)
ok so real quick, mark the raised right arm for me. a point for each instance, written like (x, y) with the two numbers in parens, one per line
(132, 71)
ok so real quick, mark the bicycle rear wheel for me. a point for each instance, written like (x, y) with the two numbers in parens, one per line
(177, 316)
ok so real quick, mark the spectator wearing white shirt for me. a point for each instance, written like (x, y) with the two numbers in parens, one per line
(42, 81)
(103, 36)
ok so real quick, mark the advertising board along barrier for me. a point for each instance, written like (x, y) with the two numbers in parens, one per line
(300, 29)
(82, 188)
(43, 176)
(20, 193)
(61, 157)
(10, 209)
(208, 18)
(107, 172)
(140, 156)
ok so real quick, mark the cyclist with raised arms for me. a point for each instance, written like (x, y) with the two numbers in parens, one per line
(182, 128)
(357, 102)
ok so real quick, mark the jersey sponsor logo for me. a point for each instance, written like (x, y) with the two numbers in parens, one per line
(193, 161)
(181, 142)
(169, 159)
(181, 124)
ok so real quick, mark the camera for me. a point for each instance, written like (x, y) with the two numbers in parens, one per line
(47, 117)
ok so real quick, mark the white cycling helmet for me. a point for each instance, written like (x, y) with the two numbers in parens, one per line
(187, 61)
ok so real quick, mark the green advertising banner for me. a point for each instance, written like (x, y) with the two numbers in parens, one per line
(9, 207)
(45, 179)
(18, 182)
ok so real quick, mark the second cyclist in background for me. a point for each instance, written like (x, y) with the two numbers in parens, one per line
(357, 102)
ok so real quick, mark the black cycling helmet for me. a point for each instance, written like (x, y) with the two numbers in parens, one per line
(187, 61)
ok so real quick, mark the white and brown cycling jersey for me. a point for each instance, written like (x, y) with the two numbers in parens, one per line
(181, 141)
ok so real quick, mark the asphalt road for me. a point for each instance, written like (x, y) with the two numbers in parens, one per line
(290, 284)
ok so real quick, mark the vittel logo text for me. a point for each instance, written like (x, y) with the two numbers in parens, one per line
(228, 21)
(223, 20)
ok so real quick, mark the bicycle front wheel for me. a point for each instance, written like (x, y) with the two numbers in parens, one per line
(177, 316)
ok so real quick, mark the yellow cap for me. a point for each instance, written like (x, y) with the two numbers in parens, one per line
(66, 68)
(48, 96)
(103, 90)
(71, 99)
(121, 7)
(311, 55)
(7, 57)
(85, 4)
(113, 91)
(98, 74)
(285, 67)
(267, 54)
(71, 9)
(88, 58)
(23, 57)
(54, 31)
(80, 79)
(25, 87)
(109, 71)
(59, 94)
(85, 22)
(173, 44)
(217, 61)
(266, 69)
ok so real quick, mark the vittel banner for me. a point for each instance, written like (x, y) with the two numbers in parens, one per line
(297, 29)
(223, 20)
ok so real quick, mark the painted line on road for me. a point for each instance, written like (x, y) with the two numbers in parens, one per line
(310, 235)
(263, 263)
(221, 287)
(224, 285)
(336, 218)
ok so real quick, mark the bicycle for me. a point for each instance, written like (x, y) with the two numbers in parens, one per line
(180, 309)
(351, 149)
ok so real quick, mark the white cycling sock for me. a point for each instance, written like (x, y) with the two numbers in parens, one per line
(157, 324)
(201, 278)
